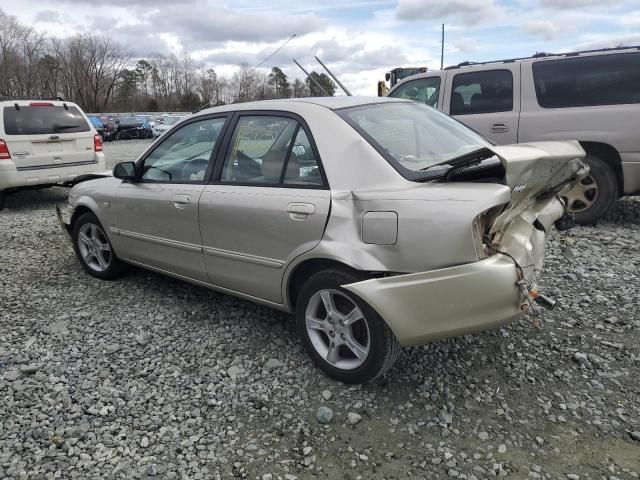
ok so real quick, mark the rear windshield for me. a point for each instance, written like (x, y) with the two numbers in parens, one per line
(43, 120)
(413, 137)
(612, 79)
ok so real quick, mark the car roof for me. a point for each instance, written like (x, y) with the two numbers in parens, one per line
(331, 103)
(24, 102)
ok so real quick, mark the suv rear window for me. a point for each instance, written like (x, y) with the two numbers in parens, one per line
(612, 79)
(43, 120)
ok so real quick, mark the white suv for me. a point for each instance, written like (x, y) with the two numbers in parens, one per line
(45, 142)
(592, 97)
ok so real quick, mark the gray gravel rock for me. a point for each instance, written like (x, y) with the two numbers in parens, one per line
(353, 417)
(324, 415)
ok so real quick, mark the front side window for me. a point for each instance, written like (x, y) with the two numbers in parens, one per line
(425, 90)
(270, 150)
(184, 156)
(43, 119)
(412, 136)
(612, 79)
(482, 92)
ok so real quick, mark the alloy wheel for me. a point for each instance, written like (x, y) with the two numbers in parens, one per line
(583, 195)
(338, 329)
(94, 247)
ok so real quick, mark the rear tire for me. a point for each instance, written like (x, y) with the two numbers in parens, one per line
(594, 196)
(3, 195)
(94, 250)
(351, 344)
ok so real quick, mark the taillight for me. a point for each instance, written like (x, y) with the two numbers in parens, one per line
(4, 151)
(41, 104)
(97, 143)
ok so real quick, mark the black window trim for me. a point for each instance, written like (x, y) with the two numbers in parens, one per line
(222, 154)
(212, 157)
(513, 103)
(578, 58)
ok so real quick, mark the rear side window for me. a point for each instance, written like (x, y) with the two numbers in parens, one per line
(271, 150)
(482, 92)
(425, 90)
(587, 81)
(43, 120)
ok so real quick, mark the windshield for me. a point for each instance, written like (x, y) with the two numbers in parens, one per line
(171, 120)
(413, 136)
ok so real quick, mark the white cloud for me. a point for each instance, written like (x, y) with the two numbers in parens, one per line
(468, 12)
(547, 29)
(571, 4)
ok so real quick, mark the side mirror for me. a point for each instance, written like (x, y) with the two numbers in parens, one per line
(387, 76)
(125, 171)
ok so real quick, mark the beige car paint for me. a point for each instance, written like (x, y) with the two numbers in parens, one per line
(435, 282)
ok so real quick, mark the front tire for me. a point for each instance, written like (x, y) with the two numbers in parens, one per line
(94, 250)
(594, 196)
(343, 335)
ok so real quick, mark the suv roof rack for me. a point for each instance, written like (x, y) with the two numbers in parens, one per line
(28, 97)
(543, 55)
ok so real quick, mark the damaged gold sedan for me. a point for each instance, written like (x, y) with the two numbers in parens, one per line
(380, 222)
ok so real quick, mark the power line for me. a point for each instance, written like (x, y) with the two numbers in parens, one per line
(276, 51)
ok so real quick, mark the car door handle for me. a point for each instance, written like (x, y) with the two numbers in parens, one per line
(300, 211)
(499, 127)
(181, 201)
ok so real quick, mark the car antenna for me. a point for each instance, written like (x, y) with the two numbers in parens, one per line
(315, 82)
(334, 77)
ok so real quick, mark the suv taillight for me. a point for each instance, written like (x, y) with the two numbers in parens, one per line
(4, 151)
(97, 143)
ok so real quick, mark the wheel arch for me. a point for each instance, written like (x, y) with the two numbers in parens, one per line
(304, 270)
(79, 210)
(608, 154)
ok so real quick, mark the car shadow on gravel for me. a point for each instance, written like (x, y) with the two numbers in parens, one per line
(36, 199)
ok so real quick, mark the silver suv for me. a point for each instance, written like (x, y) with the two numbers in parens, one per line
(592, 97)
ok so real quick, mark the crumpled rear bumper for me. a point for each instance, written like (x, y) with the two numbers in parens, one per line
(448, 302)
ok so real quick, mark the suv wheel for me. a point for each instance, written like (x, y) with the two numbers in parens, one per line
(94, 250)
(592, 198)
(3, 195)
(343, 335)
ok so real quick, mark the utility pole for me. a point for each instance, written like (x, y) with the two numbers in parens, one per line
(442, 50)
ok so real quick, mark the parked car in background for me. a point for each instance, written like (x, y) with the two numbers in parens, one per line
(133, 127)
(45, 142)
(168, 122)
(98, 125)
(379, 222)
(592, 97)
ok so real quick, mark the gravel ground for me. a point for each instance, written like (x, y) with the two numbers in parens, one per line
(149, 377)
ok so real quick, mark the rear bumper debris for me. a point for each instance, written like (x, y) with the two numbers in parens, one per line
(64, 215)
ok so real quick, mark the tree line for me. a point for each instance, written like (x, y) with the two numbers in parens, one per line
(102, 76)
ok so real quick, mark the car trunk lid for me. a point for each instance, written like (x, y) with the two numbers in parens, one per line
(536, 172)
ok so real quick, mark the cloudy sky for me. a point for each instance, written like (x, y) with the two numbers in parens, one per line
(359, 39)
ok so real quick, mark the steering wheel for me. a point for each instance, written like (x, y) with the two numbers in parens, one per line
(197, 167)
